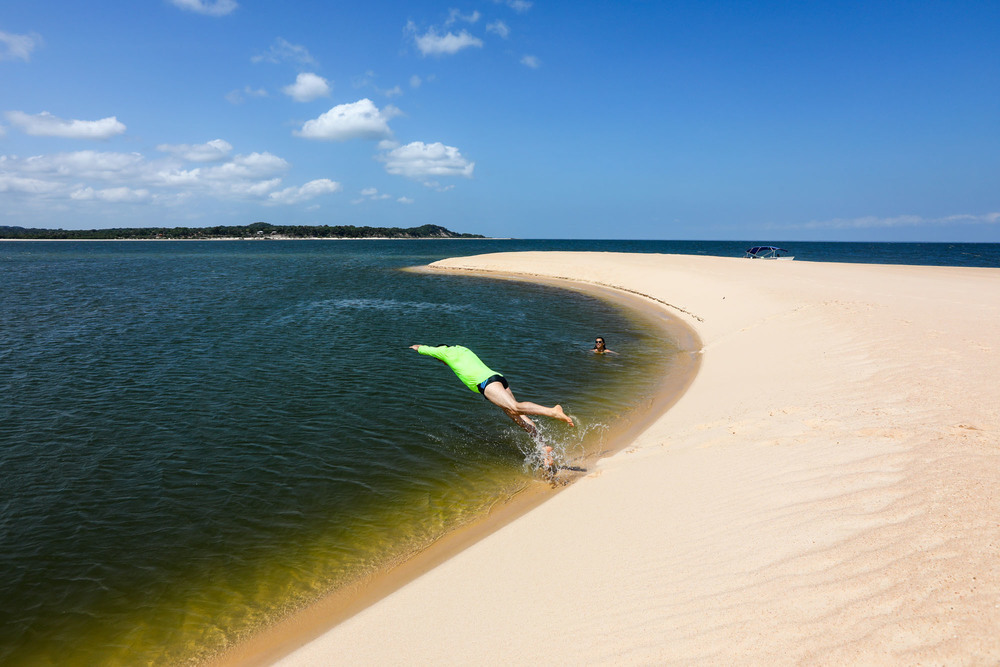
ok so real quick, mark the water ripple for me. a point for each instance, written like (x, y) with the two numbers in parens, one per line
(195, 438)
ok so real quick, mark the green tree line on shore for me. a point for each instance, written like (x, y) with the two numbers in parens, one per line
(255, 230)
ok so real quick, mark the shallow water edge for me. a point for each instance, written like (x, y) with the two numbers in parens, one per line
(307, 624)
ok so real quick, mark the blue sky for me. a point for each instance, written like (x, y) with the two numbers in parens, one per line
(644, 120)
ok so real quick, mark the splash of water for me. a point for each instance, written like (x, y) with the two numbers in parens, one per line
(551, 451)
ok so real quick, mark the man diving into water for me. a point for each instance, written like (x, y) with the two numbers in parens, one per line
(477, 376)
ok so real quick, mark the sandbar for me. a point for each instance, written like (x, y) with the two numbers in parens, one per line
(827, 490)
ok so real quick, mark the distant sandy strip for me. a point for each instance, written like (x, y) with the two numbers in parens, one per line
(827, 491)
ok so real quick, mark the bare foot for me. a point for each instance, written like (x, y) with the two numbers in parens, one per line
(560, 415)
(548, 461)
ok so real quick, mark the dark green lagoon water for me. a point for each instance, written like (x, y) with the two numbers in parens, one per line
(196, 438)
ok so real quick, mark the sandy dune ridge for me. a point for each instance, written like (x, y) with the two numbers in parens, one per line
(827, 491)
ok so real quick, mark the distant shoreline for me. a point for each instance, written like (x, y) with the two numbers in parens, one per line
(257, 231)
(281, 238)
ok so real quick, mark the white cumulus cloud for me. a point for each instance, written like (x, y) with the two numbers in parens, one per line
(47, 125)
(307, 87)
(18, 47)
(61, 174)
(187, 170)
(173, 177)
(79, 164)
(248, 167)
(357, 120)
(305, 192)
(208, 7)
(211, 151)
(419, 161)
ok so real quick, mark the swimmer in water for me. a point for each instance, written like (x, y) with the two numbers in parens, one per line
(475, 375)
(600, 347)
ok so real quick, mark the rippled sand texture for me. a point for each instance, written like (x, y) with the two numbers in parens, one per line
(825, 492)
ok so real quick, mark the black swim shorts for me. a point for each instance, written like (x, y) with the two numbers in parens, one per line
(493, 378)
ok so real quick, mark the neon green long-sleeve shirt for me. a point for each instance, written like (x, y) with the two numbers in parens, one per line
(467, 366)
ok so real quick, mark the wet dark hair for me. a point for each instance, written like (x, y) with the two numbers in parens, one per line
(442, 345)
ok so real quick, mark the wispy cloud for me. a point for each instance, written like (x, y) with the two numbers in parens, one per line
(371, 194)
(211, 151)
(431, 43)
(499, 28)
(47, 125)
(18, 47)
(531, 61)
(307, 87)
(357, 120)
(519, 6)
(207, 7)
(112, 195)
(240, 96)
(369, 80)
(454, 16)
(283, 51)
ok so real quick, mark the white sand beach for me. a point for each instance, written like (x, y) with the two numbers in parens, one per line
(827, 491)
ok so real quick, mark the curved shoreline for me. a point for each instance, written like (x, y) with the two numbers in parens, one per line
(284, 637)
(824, 492)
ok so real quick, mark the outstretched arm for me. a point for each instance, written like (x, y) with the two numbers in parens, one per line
(416, 347)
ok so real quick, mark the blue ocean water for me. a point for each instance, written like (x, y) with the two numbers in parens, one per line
(919, 254)
(197, 437)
